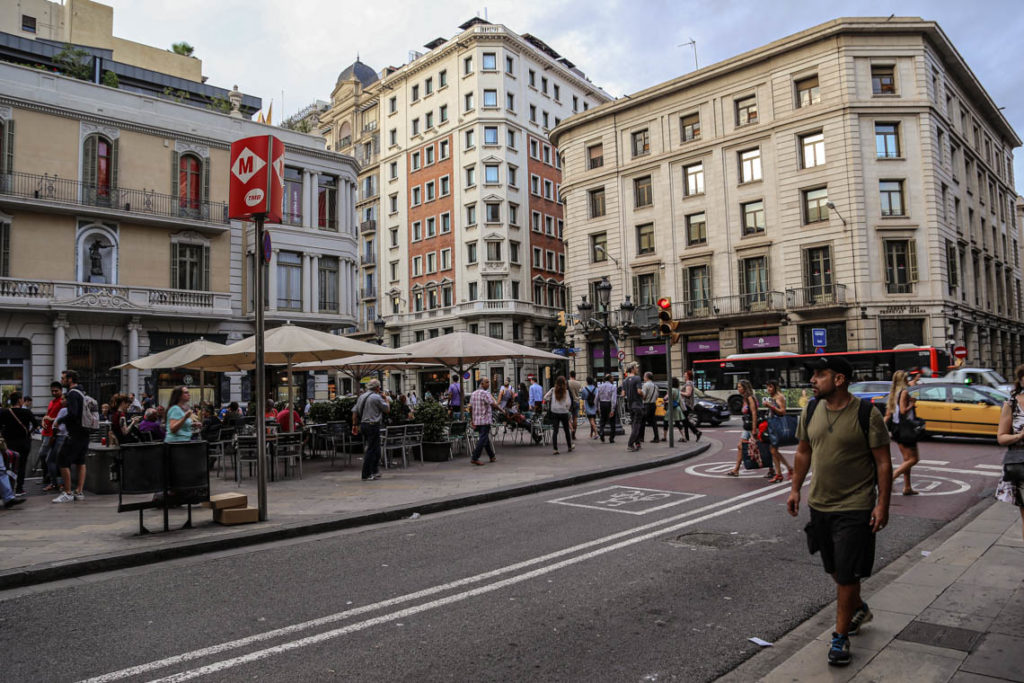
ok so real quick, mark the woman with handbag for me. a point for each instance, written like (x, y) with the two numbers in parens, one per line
(748, 415)
(900, 410)
(775, 402)
(16, 425)
(1011, 435)
(559, 400)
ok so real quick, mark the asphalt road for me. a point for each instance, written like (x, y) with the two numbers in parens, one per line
(653, 577)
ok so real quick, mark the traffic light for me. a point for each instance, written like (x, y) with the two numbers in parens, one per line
(666, 325)
(561, 318)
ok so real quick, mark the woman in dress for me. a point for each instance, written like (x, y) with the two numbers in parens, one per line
(179, 417)
(559, 400)
(749, 416)
(775, 402)
(900, 406)
(1011, 435)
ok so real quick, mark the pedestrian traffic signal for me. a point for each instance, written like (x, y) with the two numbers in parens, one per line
(666, 325)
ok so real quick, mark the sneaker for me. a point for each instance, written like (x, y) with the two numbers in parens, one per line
(8, 504)
(862, 616)
(19, 494)
(79, 495)
(64, 497)
(839, 651)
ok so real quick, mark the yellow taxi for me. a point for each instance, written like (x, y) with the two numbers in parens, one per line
(958, 409)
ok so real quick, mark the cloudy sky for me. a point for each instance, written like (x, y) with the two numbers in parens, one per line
(290, 51)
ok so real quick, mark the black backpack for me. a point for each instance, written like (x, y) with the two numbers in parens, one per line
(591, 397)
(863, 417)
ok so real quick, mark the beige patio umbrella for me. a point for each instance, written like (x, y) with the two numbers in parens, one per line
(364, 364)
(286, 345)
(179, 357)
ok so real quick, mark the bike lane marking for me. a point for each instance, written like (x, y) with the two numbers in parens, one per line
(630, 500)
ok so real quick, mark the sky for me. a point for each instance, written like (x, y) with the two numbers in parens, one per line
(291, 51)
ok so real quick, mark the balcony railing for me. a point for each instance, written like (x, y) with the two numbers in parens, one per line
(124, 298)
(818, 296)
(368, 293)
(369, 225)
(367, 259)
(595, 162)
(343, 143)
(50, 188)
(480, 307)
(749, 304)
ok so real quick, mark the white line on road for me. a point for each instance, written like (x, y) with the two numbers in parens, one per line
(990, 467)
(391, 602)
(217, 667)
(933, 462)
(956, 471)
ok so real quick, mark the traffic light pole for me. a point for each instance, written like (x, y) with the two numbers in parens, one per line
(671, 407)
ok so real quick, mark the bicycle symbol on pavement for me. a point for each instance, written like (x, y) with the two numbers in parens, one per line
(630, 500)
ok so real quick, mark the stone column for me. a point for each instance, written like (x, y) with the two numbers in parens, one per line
(134, 327)
(272, 281)
(307, 289)
(314, 283)
(341, 210)
(307, 191)
(60, 346)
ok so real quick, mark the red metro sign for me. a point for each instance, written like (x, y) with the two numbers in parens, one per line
(257, 178)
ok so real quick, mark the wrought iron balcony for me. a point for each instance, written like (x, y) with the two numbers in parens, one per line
(52, 190)
(750, 304)
(129, 299)
(368, 293)
(816, 297)
(367, 259)
(369, 225)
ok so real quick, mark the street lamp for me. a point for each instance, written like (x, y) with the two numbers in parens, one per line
(378, 330)
(603, 293)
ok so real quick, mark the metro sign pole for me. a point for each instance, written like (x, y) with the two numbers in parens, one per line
(257, 192)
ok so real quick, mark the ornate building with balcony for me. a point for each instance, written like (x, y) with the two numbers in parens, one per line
(115, 240)
(459, 185)
(854, 177)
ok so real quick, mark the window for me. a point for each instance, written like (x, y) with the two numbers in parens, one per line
(431, 262)
(428, 86)
(492, 212)
(513, 253)
(645, 289)
(549, 190)
(510, 138)
(417, 265)
(641, 143)
(556, 91)
(431, 226)
(417, 231)
(446, 184)
(393, 170)
(642, 193)
(494, 251)
(813, 150)
(750, 165)
(512, 177)
(549, 260)
(414, 161)
(190, 184)
(327, 284)
(190, 263)
(753, 217)
(392, 104)
(510, 66)
(807, 92)
(416, 196)
(393, 137)
(428, 120)
(544, 119)
(446, 223)
(599, 247)
(393, 203)
(393, 269)
(645, 239)
(428, 153)
(490, 98)
(468, 101)
(689, 127)
(891, 197)
(818, 275)
(442, 78)
(595, 156)
(489, 62)
(416, 126)
(534, 149)
(470, 215)
(292, 213)
(952, 274)
(327, 202)
(535, 222)
(544, 85)
(538, 257)
(471, 176)
(494, 292)
(289, 281)
(490, 173)
(415, 93)
(532, 79)
(697, 290)
(467, 65)
(887, 140)
(496, 330)
(470, 138)
(575, 103)
(513, 214)
(694, 179)
(535, 184)
(547, 154)
(510, 101)
(753, 282)
(816, 205)
(442, 113)
(442, 149)
(394, 237)
(746, 111)
(28, 24)
(471, 252)
(696, 229)
(490, 135)
(533, 113)
(900, 266)
(883, 80)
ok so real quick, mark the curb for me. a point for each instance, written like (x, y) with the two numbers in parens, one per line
(56, 571)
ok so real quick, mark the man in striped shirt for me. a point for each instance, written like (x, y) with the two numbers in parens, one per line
(481, 404)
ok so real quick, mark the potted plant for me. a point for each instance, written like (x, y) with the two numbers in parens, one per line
(434, 418)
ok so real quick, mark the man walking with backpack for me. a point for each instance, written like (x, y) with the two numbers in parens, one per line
(846, 443)
(78, 420)
(632, 394)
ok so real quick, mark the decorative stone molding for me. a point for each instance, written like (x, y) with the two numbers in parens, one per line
(190, 237)
(5, 113)
(85, 129)
(183, 147)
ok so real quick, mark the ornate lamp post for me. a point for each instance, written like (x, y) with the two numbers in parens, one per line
(601, 322)
(378, 331)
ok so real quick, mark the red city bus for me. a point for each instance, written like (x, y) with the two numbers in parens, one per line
(721, 377)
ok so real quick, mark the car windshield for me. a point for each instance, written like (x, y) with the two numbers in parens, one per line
(993, 378)
(994, 393)
(864, 387)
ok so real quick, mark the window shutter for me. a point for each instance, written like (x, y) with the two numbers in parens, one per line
(805, 265)
(206, 270)
(656, 282)
(912, 260)
(8, 160)
(636, 291)
(885, 262)
(204, 188)
(113, 166)
(687, 294)
(5, 249)
(174, 265)
(89, 165)
(175, 176)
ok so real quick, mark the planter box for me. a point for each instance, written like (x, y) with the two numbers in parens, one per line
(436, 451)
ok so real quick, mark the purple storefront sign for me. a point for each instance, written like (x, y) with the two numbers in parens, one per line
(708, 346)
(599, 352)
(767, 342)
(650, 350)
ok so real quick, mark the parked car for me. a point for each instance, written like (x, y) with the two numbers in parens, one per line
(870, 390)
(975, 376)
(956, 409)
(708, 409)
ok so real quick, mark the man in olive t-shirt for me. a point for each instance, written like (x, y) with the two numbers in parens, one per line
(845, 516)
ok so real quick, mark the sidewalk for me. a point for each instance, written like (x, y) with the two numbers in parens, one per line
(41, 541)
(954, 615)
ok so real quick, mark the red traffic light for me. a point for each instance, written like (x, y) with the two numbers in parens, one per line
(664, 303)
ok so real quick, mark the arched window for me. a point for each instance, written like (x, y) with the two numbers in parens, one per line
(189, 186)
(99, 169)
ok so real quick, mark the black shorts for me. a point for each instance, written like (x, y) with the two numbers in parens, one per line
(846, 542)
(73, 451)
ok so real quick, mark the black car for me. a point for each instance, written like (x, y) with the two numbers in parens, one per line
(708, 409)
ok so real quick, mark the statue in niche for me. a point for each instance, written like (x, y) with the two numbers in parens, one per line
(96, 273)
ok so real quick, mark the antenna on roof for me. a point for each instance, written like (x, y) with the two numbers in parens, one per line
(692, 43)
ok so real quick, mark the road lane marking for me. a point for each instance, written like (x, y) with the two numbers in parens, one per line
(391, 602)
(952, 470)
(615, 498)
(932, 485)
(223, 665)
(990, 467)
(933, 462)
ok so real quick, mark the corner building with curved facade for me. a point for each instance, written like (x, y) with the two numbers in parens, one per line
(854, 177)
